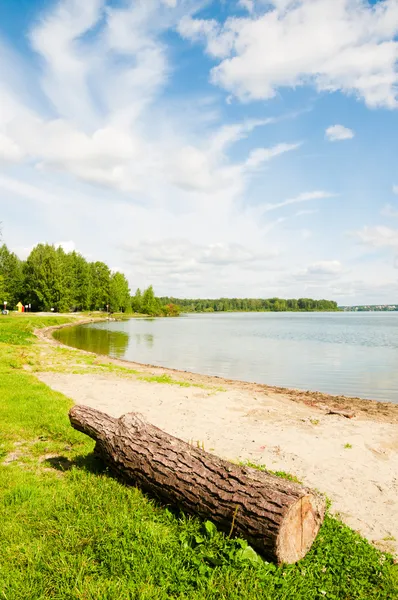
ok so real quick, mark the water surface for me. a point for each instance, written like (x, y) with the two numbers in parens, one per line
(353, 354)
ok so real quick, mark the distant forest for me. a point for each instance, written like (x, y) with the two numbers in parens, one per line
(250, 305)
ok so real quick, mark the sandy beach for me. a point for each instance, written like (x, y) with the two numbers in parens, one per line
(354, 461)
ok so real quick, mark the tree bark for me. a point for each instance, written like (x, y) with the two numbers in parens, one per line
(277, 517)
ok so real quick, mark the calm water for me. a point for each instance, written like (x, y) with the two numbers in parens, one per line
(355, 354)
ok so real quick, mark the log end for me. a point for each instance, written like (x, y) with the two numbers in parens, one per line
(93, 423)
(300, 528)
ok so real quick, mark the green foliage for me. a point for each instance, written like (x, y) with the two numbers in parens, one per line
(150, 304)
(171, 310)
(250, 305)
(101, 282)
(2, 290)
(50, 278)
(11, 277)
(44, 279)
(119, 298)
(70, 531)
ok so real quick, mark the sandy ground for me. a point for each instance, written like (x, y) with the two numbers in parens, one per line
(284, 430)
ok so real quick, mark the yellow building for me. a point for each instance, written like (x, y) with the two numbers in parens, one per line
(19, 307)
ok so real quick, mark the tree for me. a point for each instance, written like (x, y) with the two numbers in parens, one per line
(171, 310)
(81, 281)
(44, 279)
(2, 290)
(11, 273)
(119, 293)
(150, 304)
(136, 302)
(101, 279)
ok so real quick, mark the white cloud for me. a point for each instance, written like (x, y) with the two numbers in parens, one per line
(260, 155)
(345, 45)
(325, 267)
(336, 133)
(98, 151)
(378, 237)
(9, 150)
(247, 5)
(389, 211)
(66, 246)
(304, 197)
(178, 255)
(395, 189)
(177, 264)
(23, 251)
(319, 274)
(301, 213)
(106, 131)
(26, 190)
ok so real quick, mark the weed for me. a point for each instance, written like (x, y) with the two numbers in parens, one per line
(281, 474)
(347, 445)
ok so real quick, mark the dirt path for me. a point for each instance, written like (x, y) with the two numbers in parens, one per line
(354, 461)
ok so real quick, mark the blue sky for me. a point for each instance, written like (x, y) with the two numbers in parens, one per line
(242, 148)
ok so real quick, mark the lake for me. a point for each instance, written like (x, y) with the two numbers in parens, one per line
(351, 354)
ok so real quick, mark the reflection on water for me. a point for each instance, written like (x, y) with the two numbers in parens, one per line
(146, 339)
(340, 353)
(101, 341)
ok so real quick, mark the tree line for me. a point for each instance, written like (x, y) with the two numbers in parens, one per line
(251, 304)
(51, 278)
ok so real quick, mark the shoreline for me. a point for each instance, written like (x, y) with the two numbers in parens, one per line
(361, 407)
(283, 430)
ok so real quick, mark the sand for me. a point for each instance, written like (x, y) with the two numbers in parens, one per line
(256, 423)
(287, 430)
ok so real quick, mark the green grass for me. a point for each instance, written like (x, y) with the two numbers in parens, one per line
(282, 474)
(69, 531)
(166, 379)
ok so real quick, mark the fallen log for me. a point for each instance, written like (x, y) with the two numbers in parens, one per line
(277, 517)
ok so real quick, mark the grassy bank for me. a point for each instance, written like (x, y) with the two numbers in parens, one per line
(69, 531)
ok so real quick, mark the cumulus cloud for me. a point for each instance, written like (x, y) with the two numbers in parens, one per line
(319, 272)
(335, 133)
(103, 68)
(69, 246)
(23, 251)
(9, 150)
(333, 45)
(179, 255)
(378, 236)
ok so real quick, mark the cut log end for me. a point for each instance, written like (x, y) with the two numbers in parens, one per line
(299, 529)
